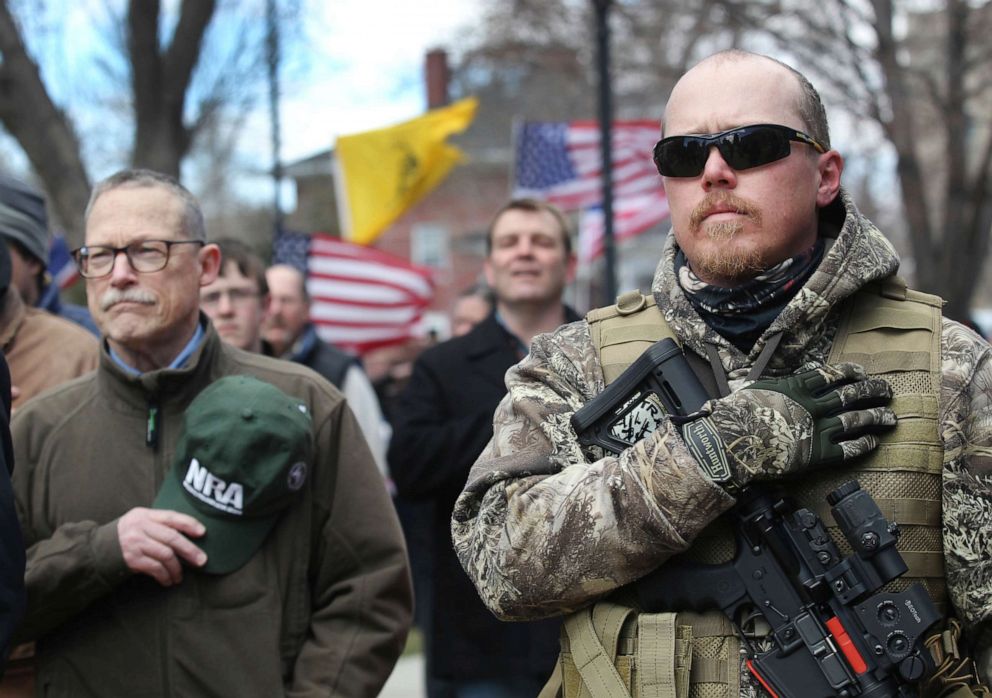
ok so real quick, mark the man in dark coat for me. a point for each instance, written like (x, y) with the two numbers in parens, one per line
(442, 423)
(12, 596)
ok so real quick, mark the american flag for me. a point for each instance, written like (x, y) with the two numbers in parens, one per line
(60, 265)
(560, 162)
(361, 297)
(632, 215)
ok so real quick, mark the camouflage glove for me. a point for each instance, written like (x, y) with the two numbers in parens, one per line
(779, 426)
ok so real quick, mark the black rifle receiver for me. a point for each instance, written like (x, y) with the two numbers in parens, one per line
(659, 383)
(832, 633)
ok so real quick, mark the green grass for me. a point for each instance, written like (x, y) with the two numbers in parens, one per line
(414, 642)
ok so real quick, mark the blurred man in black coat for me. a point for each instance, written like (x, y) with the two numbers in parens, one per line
(12, 598)
(442, 423)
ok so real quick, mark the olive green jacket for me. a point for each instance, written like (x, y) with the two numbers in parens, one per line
(322, 608)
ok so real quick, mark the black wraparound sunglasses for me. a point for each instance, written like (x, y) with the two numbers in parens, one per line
(741, 148)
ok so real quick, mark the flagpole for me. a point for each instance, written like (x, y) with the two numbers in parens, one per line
(272, 53)
(606, 146)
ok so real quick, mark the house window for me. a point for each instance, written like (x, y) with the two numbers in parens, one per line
(429, 245)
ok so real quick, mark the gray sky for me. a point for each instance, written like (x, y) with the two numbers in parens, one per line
(371, 71)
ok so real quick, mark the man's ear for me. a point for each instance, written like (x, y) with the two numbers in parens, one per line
(209, 259)
(830, 166)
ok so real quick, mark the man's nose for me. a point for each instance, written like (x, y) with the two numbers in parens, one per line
(525, 247)
(716, 172)
(121, 273)
(225, 306)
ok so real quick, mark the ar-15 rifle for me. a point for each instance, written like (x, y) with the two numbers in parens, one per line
(831, 631)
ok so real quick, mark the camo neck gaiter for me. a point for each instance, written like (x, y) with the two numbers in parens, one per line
(740, 314)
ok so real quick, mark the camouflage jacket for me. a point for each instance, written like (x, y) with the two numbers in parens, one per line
(544, 528)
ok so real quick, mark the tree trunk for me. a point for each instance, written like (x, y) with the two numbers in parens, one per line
(901, 131)
(161, 80)
(42, 130)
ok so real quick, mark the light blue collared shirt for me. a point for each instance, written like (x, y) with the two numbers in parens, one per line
(177, 362)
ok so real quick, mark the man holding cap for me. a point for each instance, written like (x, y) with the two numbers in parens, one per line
(244, 454)
(190, 533)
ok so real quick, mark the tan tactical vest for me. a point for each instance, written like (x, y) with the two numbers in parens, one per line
(895, 334)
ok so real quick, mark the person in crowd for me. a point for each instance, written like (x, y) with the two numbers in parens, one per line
(12, 594)
(126, 599)
(389, 368)
(24, 229)
(472, 306)
(290, 334)
(42, 350)
(781, 294)
(443, 421)
(237, 300)
(417, 516)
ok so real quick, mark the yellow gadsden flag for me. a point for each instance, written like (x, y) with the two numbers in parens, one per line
(382, 173)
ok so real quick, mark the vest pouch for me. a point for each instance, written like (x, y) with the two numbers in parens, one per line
(610, 650)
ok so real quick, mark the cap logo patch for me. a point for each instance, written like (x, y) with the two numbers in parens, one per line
(297, 476)
(209, 488)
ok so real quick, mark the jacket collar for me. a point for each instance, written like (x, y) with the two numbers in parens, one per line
(489, 336)
(165, 384)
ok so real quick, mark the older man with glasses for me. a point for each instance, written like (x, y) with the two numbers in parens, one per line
(820, 366)
(123, 599)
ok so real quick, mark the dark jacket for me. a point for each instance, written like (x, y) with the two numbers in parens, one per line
(443, 420)
(322, 608)
(12, 597)
(328, 361)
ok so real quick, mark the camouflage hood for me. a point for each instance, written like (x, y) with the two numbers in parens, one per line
(857, 253)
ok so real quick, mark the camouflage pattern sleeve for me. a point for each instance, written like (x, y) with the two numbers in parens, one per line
(542, 527)
(966, 424)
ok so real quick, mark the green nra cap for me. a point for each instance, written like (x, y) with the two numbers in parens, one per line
(242, 458)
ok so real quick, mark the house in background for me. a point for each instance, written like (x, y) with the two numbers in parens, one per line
(446, 230)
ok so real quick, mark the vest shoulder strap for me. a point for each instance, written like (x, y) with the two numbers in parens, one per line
(876, 314)
(895, 333)
(622, 332)
(594, 653)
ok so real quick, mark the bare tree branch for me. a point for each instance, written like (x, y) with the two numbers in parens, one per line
(45, 133)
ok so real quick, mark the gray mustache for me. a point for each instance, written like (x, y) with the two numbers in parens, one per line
(114, 296)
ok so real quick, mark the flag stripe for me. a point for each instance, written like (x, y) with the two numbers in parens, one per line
(356, 293)
(372, 272)
(343, 335)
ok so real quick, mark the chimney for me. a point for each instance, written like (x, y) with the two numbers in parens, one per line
(438, 76)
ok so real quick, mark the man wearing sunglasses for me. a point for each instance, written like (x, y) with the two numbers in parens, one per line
(122, 597)
(821, 366)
